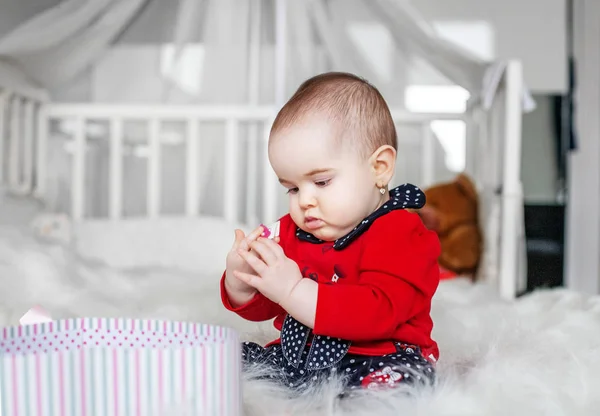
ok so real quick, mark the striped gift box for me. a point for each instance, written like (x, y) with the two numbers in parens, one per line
(95, 366)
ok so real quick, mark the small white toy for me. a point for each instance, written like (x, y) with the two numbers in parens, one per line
(35, 315)
(271, 231)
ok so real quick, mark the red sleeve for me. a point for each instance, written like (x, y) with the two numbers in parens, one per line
(260, 308)
(397, 278)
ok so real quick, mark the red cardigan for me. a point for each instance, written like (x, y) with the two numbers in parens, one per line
(374, 291)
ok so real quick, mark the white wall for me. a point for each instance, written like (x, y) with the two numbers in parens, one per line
(530, 30)
(533, 31)
(538, 166)
(583, 215)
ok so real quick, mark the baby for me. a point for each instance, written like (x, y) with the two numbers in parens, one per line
(350, 276)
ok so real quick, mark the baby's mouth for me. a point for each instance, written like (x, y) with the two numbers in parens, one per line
(313, 223)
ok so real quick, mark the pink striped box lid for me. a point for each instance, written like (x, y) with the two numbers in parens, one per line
(107, 366)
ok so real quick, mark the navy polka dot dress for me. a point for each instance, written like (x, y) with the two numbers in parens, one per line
(406, 366)
(303, 358)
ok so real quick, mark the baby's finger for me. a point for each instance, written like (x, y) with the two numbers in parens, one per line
(265, 250)
(239, 237)
(249, 279)
(253, 261)
(253, 235)
(245, 243)
(273, 247)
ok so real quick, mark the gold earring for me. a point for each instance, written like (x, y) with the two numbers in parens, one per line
(381, 189)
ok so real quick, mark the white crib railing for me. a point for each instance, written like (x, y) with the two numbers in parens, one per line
(494, 160)
(492, 157)
(19, 127)
(193, 116)
(154, 117)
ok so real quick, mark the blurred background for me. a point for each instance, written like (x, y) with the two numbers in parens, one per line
(254, 53)
(133, 141)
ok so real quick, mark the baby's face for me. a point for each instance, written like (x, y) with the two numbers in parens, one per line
(331, 187)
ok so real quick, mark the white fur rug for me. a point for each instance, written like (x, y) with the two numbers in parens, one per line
(537, 356)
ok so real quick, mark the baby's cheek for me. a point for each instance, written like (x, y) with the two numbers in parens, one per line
(342, 211)
(296, 214)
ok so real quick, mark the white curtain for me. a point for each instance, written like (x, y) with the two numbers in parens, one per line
(413, 34)
(14, 79)
(55, 46)
(195, 57)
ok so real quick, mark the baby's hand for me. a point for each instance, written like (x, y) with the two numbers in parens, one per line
(238, 291)
(277, 276)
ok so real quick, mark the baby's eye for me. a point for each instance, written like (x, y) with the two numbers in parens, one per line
(292, 191)
(323, 183)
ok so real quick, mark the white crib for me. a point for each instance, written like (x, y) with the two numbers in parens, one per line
(493, 159)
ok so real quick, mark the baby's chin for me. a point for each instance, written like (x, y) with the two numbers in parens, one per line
(324, 233)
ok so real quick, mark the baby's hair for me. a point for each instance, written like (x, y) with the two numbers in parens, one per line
(355, 105)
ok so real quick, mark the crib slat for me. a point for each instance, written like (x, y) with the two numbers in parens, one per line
(2, 112)
(116, 169)
(252, 175)
(281, 42)
(192, 166)
(78, 170)
(470, 141)
(269, 182)
(14, 158)
(512, 278)
(154, 171)
(230, 204)
(29, 114)
(42, 152)
(427, 156)
(254, 66)
(254, 53)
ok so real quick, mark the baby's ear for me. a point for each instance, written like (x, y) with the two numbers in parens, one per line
(383, 163)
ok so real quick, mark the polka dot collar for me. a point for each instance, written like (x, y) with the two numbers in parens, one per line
(402, 197)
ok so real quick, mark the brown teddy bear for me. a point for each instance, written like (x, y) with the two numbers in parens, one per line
(451, 210)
